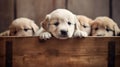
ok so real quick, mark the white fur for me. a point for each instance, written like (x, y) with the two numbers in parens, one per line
(62, 16)
(80, 34)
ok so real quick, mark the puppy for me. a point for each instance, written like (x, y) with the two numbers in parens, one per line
(62, 24)
(23, 27)
(104, 26)
(85, 23)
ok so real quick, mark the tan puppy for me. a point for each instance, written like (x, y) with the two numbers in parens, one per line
(62, 24)
(23, 27)
(104, 26)
(85, 23)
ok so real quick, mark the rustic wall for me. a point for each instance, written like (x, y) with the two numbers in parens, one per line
(6, 13)
(116, 11)
(37, 9)
(91, 8)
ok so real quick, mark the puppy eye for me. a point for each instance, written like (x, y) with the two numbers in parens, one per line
(56, 24)
(108, 30)
(15, 32)
(96, 28)
(25, 29)
(84, 26)
(69, 23)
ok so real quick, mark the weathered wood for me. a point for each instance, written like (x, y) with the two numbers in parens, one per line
(75, 52)
(90, 8)
(116, 10)
(59, 61)
(6, 13)
(37, 9)
(117, 60)
(2, 52)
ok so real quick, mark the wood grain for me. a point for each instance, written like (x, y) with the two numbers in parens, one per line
(37, 9)
(2, 52)
(75, 52)
(116, 10)
(90, 8)
(59, 61)
(6, 14)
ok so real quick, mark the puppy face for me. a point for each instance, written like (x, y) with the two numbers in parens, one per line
(104, 26)
(85, 23)
(60, 23)
(23, 27)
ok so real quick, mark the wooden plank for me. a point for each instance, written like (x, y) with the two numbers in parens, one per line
(6, 14)
(85, 52)
(118, 48)
(117, 64)
(116, 10)
(2, 52)
(59, 61)
(75, 52)
(37, 9)
(93, 46)
(90, 8)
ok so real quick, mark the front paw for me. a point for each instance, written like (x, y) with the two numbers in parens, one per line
(45, 35)
(80, 34)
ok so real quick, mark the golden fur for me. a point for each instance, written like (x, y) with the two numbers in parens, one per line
(104, 26)
(23, 27)
(85, 23)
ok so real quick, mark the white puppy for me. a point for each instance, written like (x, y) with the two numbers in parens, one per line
(62, 24)
(23, 27)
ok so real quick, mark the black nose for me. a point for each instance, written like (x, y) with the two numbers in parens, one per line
(63, 32)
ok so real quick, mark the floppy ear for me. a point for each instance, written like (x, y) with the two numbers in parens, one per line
(34, 26)
(116, 29)
(77, 23)
(11, 27)
(45, 22)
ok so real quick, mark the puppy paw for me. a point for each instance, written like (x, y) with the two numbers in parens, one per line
(80, 34)
(45, 35)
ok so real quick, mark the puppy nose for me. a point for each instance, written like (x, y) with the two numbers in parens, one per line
(63, 32)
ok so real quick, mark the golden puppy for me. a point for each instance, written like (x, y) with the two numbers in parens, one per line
(104, 26)
(62, 24)
(85, 23)
(23, 27)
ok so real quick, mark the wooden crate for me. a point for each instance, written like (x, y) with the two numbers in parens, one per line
(76, 52)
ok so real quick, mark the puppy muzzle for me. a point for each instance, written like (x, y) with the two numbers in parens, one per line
(63, 33)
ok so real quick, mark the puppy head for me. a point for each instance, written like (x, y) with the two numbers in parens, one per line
(23, 27)
(60, 23)
(104, 26)
(85, 23)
